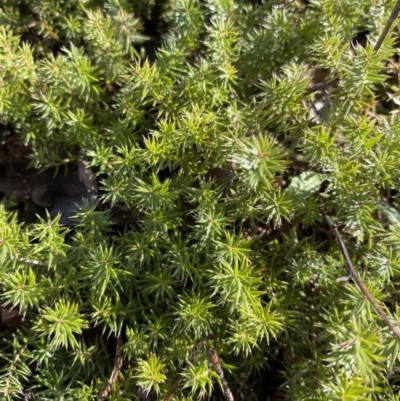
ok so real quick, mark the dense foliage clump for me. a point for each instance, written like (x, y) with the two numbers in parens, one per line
(227, 134)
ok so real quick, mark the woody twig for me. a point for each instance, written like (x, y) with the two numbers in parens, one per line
(13, 363)
(26, 260)
(388, 25)
(213, 357)
(118, 362)
(357, 279)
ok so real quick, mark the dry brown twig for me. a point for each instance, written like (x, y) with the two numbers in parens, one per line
(118, 362)
(213, 357)
(13, 363)
(357, 279)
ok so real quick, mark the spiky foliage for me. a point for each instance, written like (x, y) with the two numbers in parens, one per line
(213, 148)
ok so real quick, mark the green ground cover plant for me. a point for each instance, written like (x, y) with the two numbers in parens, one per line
(255, 148)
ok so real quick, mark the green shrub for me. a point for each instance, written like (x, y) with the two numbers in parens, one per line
(206, 130)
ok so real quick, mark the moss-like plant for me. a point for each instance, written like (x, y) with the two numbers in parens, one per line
(234, 133)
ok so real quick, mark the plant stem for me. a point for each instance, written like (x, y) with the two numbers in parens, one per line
(117, 367)
(355, 276)
(213, 357)
(191, 359)
(388, 25)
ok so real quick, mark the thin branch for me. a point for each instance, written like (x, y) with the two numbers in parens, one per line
(355, 276)
(190, 360)
(213, 357)
(243, 383)
(388, 25)
(26, 260)
(118, 362)
(12, 366)
(378, 44)
(296, 376)
(321, 86)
